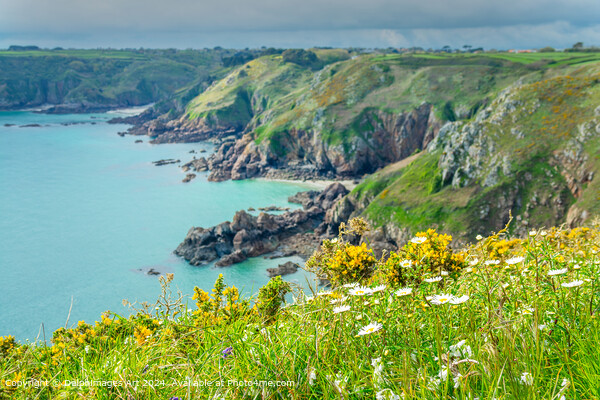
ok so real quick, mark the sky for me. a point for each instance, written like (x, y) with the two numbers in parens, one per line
(505, 24)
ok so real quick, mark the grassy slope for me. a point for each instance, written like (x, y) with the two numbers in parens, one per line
(110, 77)
(518, 333)
(413, 197)
(333, 100)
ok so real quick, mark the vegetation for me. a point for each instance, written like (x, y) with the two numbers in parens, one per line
(504, 318)
(112, 78)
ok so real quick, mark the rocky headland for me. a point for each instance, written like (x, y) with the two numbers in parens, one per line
(296, 232)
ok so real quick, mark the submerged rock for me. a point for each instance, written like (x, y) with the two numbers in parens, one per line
(283, 269)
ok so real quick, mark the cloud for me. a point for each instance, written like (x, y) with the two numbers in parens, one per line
(65, 16)
(287, 23)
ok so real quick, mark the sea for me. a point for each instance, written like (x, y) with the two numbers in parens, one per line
(84, 213)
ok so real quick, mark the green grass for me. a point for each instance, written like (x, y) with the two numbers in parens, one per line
(516, 333)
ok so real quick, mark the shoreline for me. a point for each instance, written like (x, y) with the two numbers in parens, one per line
(317, 183)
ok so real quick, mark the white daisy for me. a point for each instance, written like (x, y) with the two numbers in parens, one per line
(572, 284)
(526, 379)
(554, 272)
(543, 233)
(576, 266)
(515, 260)
(325, 293)
(379, 288)
(492, 262)
(340, 300)
(526, 311)
(431, 280)
(406, 264)
(444, 273)
(532, 233)
(361, 291)
(459, 300)
(474, 262)
(371, 328)
(404, 291)
(350, 285)
(479, 237)
(334, 240)
(440, 299)
(337, 310)
(418, 240)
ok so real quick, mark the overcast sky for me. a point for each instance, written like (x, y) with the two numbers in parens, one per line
(299, 23)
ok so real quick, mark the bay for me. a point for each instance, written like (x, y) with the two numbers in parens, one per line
(82, 210)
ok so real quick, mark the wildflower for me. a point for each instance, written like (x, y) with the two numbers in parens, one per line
(334, 240)
(431, 280)
(312, 375)
(386, 394)
(492, 262)
(543, 233)
(461, 349)
(526, 379)
(227, 352)
(361, 291)
(337, 310)
(459, 300)
(526, 311)
(444, 273)
(474, 262)
(371, 328)
(418, 240)
(406, 264)
(308, 299)
(572, 284)
(554, 272)
(377, 372)
(378, 288)
(325, 293)
(404, 291)
(515, 260)
(340, 300)
(479, 237)
(440, 299)
(350, 285)
(532, 233)
(576, 266)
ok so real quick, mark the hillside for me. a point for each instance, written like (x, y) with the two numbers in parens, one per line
(504, 318)
(356, 114)
(89, 80)
(534, 151)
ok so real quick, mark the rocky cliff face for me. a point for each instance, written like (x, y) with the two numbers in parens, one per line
(305, 154)
(250, 236)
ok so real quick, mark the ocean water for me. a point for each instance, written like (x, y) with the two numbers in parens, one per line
(82, 210)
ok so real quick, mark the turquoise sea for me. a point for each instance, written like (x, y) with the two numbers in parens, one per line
(83, 209)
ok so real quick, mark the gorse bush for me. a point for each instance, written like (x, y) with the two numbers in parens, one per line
(427, 254)
(506, 318)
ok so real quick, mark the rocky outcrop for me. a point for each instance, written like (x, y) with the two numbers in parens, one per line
(304, 154)
(249, 236)
(283, 269)
(197, 165)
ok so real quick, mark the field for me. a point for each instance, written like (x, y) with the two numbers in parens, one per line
(504, 318)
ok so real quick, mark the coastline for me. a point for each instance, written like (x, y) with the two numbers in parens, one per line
(319, 184)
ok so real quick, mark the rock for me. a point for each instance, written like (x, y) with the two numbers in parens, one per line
(273, 208)
(9, 125)
(250, 236)
(139, 141)
(31, 126)
(198, 165)
(233, 258)
(188, 178)
(165, 162)
(152, 271)
(251, 209)
(283, 269)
